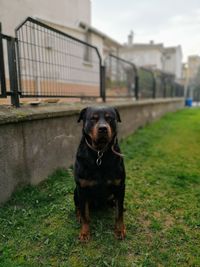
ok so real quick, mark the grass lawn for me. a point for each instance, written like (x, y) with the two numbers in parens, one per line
(38, 225)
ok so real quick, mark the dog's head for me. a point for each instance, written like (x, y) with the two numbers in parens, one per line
(100, 124)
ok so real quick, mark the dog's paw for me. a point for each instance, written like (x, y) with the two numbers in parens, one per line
(84, 235)
(120, 232)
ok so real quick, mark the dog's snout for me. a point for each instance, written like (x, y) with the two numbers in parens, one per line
(102, 129)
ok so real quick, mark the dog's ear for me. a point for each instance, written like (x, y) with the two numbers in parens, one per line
(117, 115)
(82, 114)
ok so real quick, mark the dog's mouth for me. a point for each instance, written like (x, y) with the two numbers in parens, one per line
(101, 142)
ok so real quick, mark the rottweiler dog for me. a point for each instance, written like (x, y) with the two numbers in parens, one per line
(99, 168)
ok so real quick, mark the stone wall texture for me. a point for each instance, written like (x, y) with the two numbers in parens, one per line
(35, 142)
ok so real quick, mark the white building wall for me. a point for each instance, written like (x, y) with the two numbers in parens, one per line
(154, 56)
(173, 62)
(143, 57)
(169, 63)
(63, 12)
(179, 63)
(98, 42)
(73, 67)
(78, 66)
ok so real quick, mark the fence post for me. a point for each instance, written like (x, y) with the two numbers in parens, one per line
(154, 89)
(164, 85)
(154, 85)
(2, 68)
(13, 72)
(136, 87)
(103, 83)
(172, 90)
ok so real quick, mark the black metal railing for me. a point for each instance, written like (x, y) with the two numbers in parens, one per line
(121, 79)
(166, 85)
(52, 63)
(178, 90)
(193, 92)
(160, 84)
(124, 79)
(9, 80)
(44, 62)
(2, 67)
(196, 95)
(147, 83)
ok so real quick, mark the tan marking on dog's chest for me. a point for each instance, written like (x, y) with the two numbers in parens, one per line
(114, 182)
(87, 183)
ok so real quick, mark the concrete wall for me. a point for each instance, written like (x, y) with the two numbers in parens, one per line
(36, 141)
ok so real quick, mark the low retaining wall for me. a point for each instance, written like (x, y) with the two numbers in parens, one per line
(36, 141)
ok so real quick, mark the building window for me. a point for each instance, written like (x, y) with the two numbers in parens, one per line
(87, 51)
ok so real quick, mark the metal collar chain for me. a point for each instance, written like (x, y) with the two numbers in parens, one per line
(101, 152)
(99, 160)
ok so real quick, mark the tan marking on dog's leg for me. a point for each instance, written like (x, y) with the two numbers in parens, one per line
(85, 229)
(120, 230)
(78, 215)
(87, 183)
(117, 182)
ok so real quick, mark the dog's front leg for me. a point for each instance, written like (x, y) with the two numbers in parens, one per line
(120, 230)
(84, 215)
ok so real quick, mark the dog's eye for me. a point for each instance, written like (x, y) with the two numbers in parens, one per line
(94, 118)
(109, 118)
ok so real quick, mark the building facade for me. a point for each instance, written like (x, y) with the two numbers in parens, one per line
(154, 56)
(193, 66)
(192, 77)
(172, 61)
(70, 16)
(62, 12)
(143, 55)
(52, 62)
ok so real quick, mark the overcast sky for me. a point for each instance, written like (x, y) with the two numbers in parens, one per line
(171, 22)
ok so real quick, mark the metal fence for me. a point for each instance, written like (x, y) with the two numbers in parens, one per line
(165, 84)
(147, 83)
(44, 62)
(2, 67)
(8, 69)
(193, 92)
(178, 90)
(121, 79)
(124, 79)
(52, 63)
(157, 84)
(196, 95)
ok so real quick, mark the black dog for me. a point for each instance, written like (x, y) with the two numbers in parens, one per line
(99, 167)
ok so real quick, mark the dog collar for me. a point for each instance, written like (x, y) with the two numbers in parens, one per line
(100, 153)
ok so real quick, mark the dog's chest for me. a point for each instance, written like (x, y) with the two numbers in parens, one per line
(106, 173)
(110, 171)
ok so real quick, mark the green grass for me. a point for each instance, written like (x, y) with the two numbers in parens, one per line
(38, 225)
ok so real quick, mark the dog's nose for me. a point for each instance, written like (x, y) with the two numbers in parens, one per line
(103, 129)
